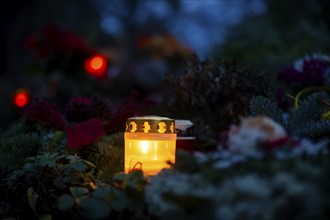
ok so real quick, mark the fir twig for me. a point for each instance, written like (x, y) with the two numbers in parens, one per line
(309, 109)
(14, 150)
(263, 106)
(313, 129)
(107, 155)
(305, 121)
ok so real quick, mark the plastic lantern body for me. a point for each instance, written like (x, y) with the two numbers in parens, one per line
(150, 143)
(185, 138)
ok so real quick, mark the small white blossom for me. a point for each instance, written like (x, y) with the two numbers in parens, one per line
(299, 63)
(320, 56)
(252, 131)
(246, 196)
(246, 141)
(309, 148)
(175, 183)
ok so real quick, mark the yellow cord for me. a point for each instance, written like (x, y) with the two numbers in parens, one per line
(309, 89)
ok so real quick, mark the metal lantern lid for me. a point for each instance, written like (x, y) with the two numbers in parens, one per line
(184, 128)
(150, 124)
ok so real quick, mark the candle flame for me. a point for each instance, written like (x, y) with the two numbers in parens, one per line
(145, 147)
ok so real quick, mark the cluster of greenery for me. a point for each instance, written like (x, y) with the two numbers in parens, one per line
(41, 178)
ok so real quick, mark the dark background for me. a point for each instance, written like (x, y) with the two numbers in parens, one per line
(266, 34)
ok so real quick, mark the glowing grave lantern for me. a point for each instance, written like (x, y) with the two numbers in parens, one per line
(150, 142)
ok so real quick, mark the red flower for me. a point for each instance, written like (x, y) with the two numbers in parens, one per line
(118, 121)
(78, 109)
(74, 43)
(144, 40)
(290, 75)
(314, 72)
(51, 39)
(84, 133)
(271, 145)
(39, 111)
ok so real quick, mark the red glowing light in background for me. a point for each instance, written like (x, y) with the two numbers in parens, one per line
(21, 98)
(96, 66)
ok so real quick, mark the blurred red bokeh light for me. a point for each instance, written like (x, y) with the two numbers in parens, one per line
(21, 98)
(96, 66)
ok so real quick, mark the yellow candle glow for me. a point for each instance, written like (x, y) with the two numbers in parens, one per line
(150, 142)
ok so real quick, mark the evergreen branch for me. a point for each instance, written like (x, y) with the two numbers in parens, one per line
(53, 142)
(107, 155)
(260, 105)
(309, 109)
(309, 90)
(313, 129)
(14, 150)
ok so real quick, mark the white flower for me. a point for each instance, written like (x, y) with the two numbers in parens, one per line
(174, 183)
(246, 141)
(247, 196)
(299, 63)
(320, 56)
(310, 148)
(252, 131)
(255, 197)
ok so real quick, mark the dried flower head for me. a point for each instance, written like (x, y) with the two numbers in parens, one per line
(217, 95)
